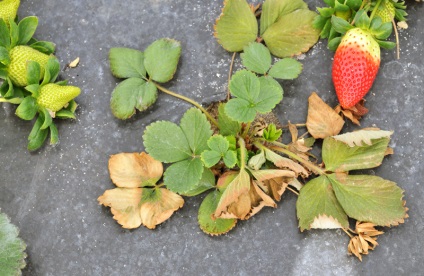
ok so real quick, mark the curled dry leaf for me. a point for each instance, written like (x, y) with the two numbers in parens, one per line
(131, 170)
(74, 63)
(275, 187)
(322, 120)
(365, 240)
(355, 113)
(286, 163)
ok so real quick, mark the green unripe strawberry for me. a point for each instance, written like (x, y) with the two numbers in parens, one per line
(8, 10)
(19, 57)
(54, 97)
(386, 11)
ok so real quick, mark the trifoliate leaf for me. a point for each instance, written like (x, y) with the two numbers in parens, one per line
(322, 120)
(166, 142)
(127, 63)
(133, 170)
(27, 109)
(370, 198)
(286, 69)
(339, 157)
(12, 255)
(219, 149)
(227, 126)
(273, 10)
(361, 137)
(209, 225)
(271, 133)
(256, 57)
(27, 27)
(161, 59)
(292, 34)
(184, 176)
(207, 182)
(158, 205)
(317, 206)
(237, 26)
(124, 205)
(197, 130)
(132, 94)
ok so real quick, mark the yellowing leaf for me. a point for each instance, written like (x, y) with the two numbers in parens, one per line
(322, 120)
(358, 138)
(158, 205)
(131, 170)
(283, 162)
(125, 205)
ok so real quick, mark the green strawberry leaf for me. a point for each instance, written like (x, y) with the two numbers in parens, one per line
(286, 69)
(6, 89)
(161, 59)
(14, 33)
(4, 56)
(334, 43)
(219, 149)
(47, 120)
(253, 95)
(341, 8)
(54, 134)
(340, 25)
(132, 94)
(207, 223)
(65, 114)
(207, 182)
(27, 109)
(4, 35)
(37, 135)
(273, 10)
(51, 70)
(33, 73)
(256, 57)
(45, 47)
(227, 126)
(384, 31)
(362, 20)
(317, 206)
(292, 34)
(326, 12)
(166, 142)
(184, 176)
(127, 63)
(340, 157)
(12, 253)
(386, 44)
(271, 133)
(354, 4)
(370, 198)
(197, 130)
(237, 26)
(27, 27)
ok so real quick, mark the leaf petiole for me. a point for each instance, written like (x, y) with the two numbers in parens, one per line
(12, 101)
(374, 11)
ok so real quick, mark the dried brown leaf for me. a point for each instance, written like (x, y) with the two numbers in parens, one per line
(322, 120)
(286, 163)
(275, 187)
(323, 221)
(258, 200)
(132, 170)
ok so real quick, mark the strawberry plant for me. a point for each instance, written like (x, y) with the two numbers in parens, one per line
(29, 71)
(234, 151)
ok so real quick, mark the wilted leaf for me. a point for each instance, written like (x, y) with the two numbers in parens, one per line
(317, 206)
(262, 175)
(237, 25)
(256, 161)
(12, 248)
(361, 137)
(258, 200)
(210, 225)
(292, 34)
(157, 205)
(124, 205)
(132, 170)
(283, 163)
(225, 179)
(256, 57)
(340, 157)
(275, 187)
(322, 120)
(370, 198)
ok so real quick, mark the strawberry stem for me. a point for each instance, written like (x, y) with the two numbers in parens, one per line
(375, 9)
(229, 75)
(12, 101)
(242, 146)
(397, 39)
(196, 104)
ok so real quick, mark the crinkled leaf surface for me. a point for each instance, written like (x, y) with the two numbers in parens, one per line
(132, 94)
(361, 137)
(208, 224)
(292, 34)
(132, 170)
(256, 57)
(286, 69)
(370, 198)
(161, 59)
(339, 157)
(273, 10)
(237, 26)
(227, 126)
(12, 255)
(158, 205)
(127, 63)
(197, 130)
(317, 206)
(184, 176)
(322, 120)
(166, 142)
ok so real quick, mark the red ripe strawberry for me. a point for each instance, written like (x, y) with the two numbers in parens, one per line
(355, 66)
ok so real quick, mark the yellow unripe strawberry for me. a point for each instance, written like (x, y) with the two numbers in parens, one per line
(54, 97)
(8, 10)
(19, 57)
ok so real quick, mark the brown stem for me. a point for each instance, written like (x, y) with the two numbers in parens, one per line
(397, 39)
(293, 191)
(350, 235)
(229, 76)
